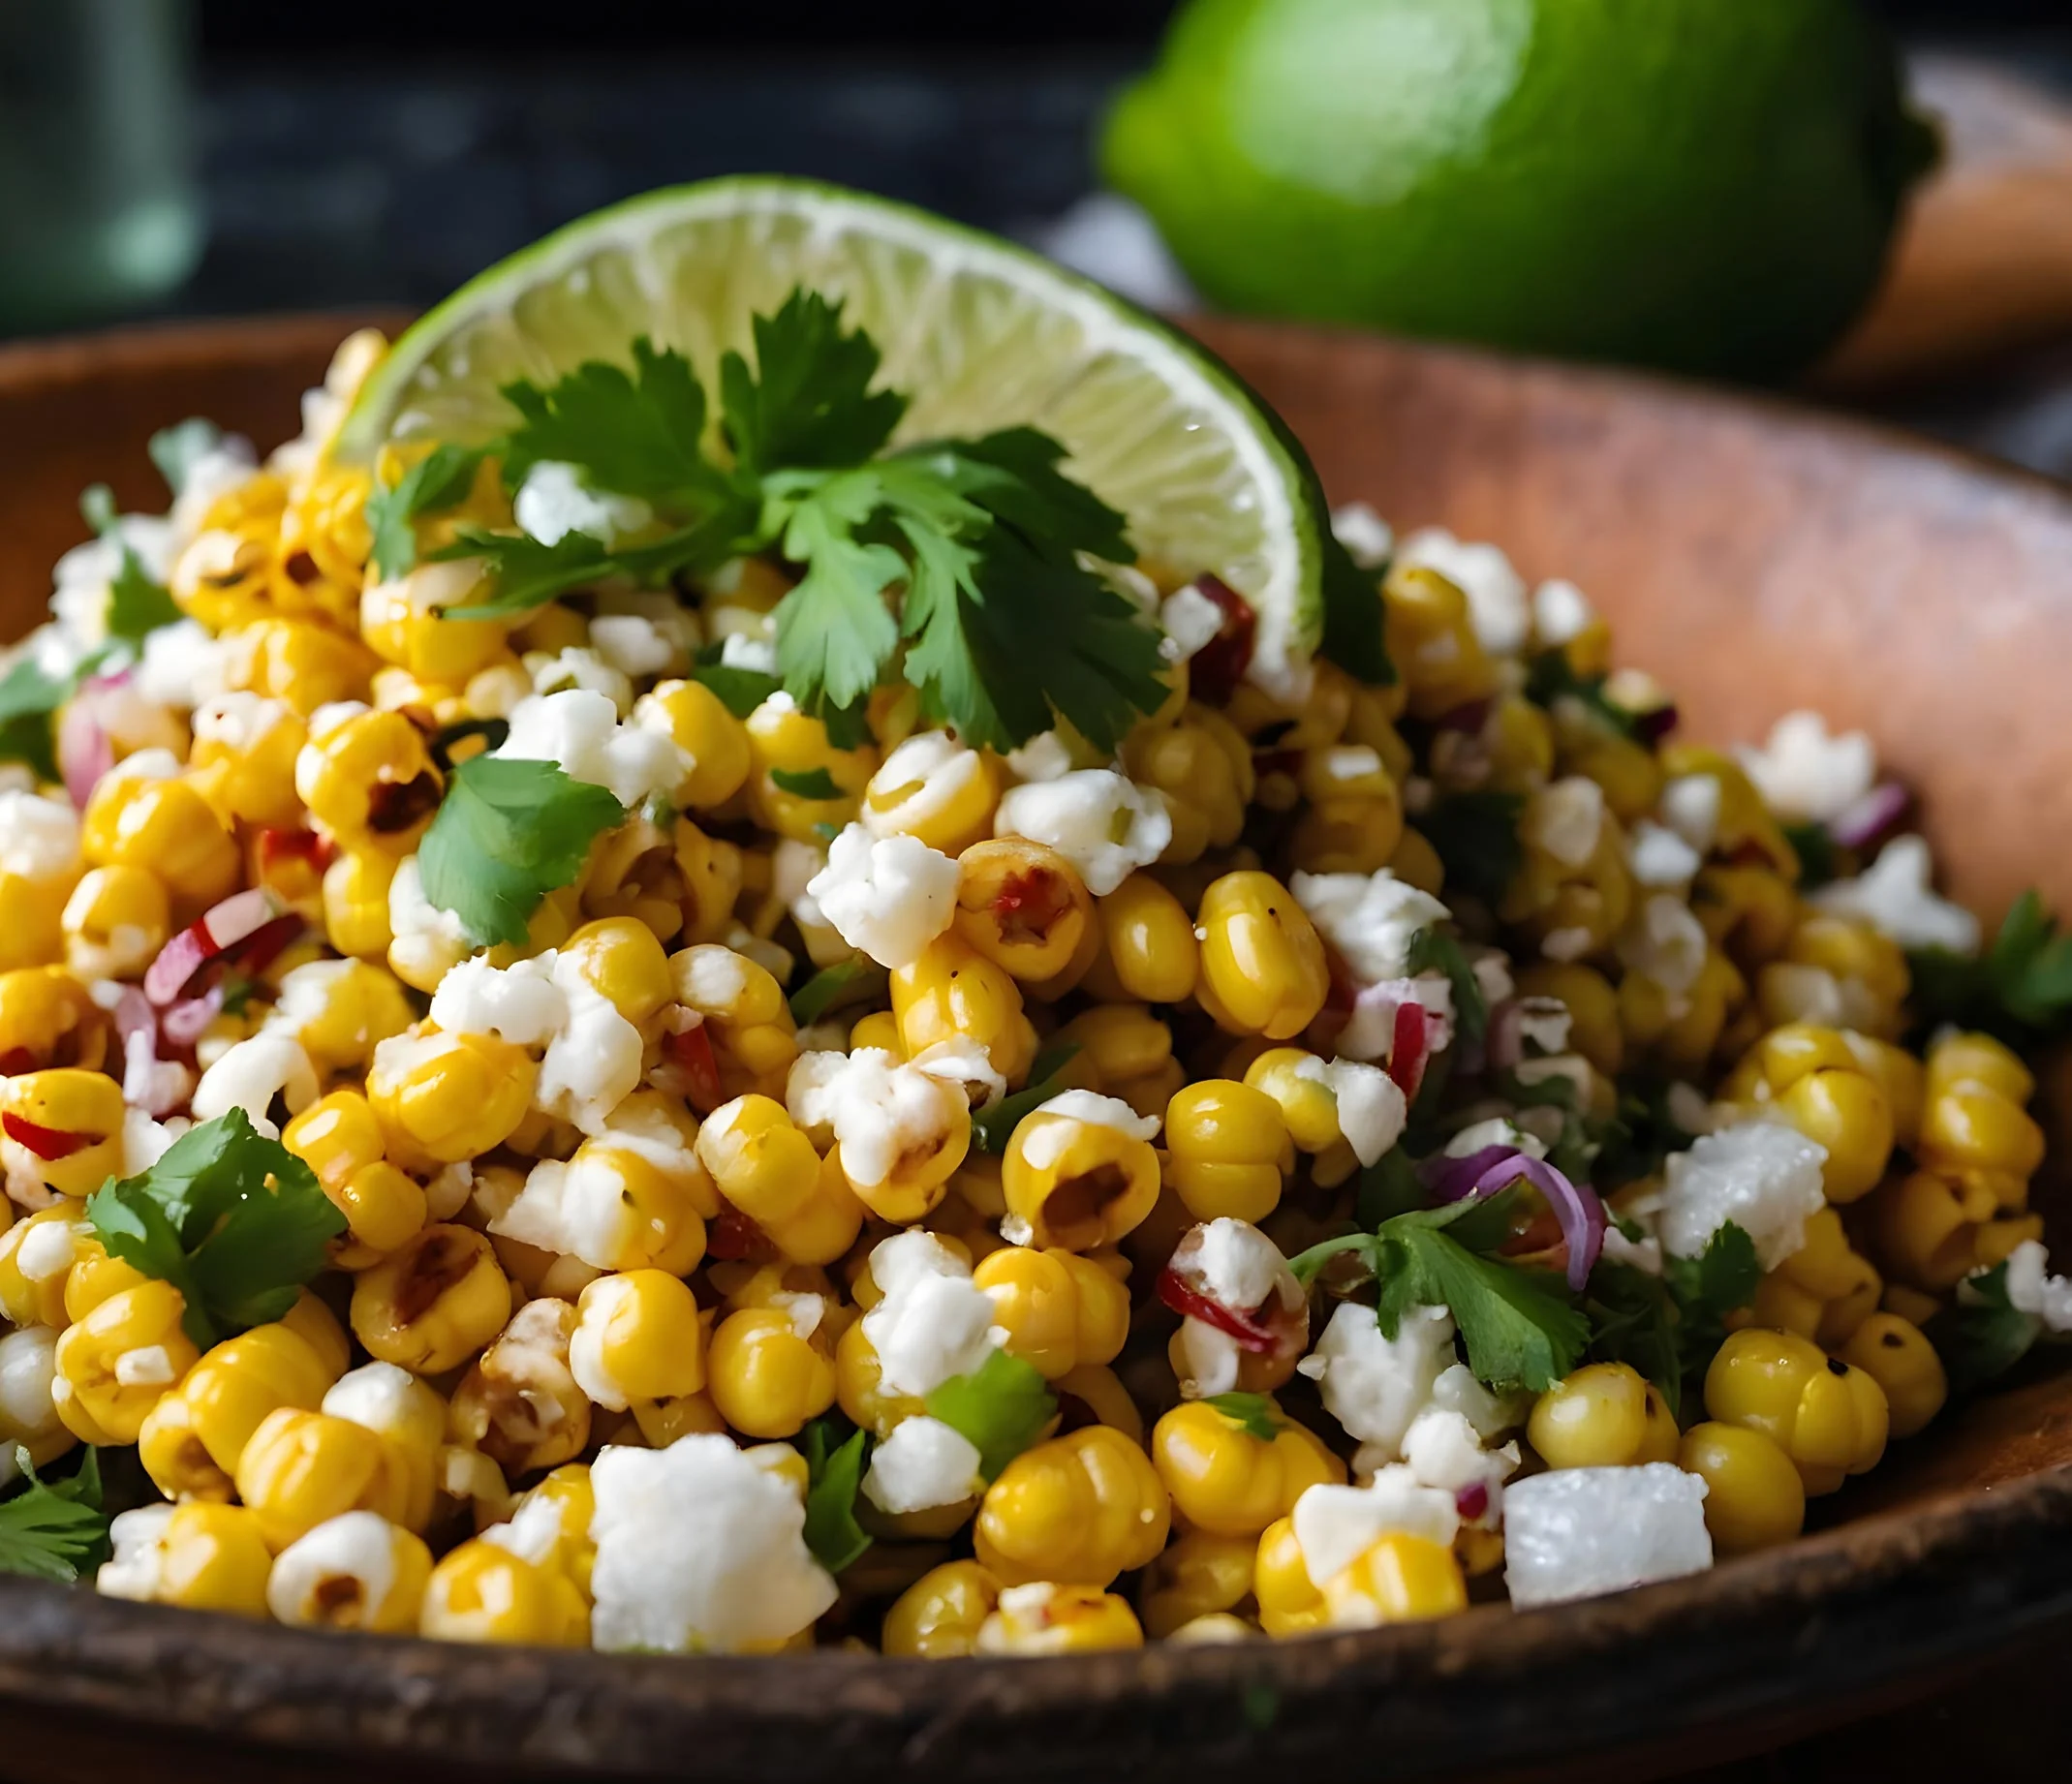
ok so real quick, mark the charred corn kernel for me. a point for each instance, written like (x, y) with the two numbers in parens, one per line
(1431, 642)
(1081, 1508)
(481, 1592)
(432, 1304)
(1747, 912)
(1829, 1418)
(1044, 1618)
(1076, 1184)
(244, 759)
(47, 1017)
(1399, 1578)
(781, 737)
(1262, 960)
(660, 1422)
(300, 1468)
(1148, 946)
(1204, 769)
(1755, 1499)
(1289, 1603)
(697, 720)
(1225, 1480)
(637, 1337)
(765, 1376)
(115, 921)
(760, 1161)
(357, 1571)
(1604, 1415)
(632, 873)
(935, 789)
(1128, 1053)
(1021, 905)
(1822, 1291)
(938, 1617)
(370, 781)
(621, 960)
(356, 903)
(1227, 1150)
(1928, 1226)
(191, 1442)
(37, 1257)
(747, 1021)
(200, 1557)
(1894, 1354)
(445, 1098)
(221, 577)
(521, 1404)
(347, 1010)
(711, 872)
(1058, 1309)
(114, 1366)
(952, 991)
(165, 827)
(1595, 1029)
(1198, 1574)
(306, 665)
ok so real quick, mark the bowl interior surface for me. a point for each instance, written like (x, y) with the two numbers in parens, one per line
(1755, 560)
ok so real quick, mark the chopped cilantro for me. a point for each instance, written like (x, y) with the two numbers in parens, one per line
(847, 981)
(1255, 1412)
(1387, 1188)
(1721, 1280)
(1434, 950)
(29, 696)
(435, 484)
(805, 782)
(1982, 1335)
(1633, 1142)
(507, 833)
(993, 1127)
(808, 404)
(235, 1221)
(1814, 846)
(1553, 678)
(2019, 989)
(55, 1529)
(834, 1472)
(1668, 1327)
(740, 691)
(1352, 616)
(176, 449)
(137, 602)
(1475, 836)
(1001, 1407)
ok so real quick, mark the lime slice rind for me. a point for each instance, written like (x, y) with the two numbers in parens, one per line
(978, 332)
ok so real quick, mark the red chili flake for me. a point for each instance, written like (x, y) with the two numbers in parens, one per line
(1215, 670)
(1471, 1501)
(1409, 1050)
(276, 846)
(1191, 1304)
(46, 1143)
(691, 1050)
(1028, 903)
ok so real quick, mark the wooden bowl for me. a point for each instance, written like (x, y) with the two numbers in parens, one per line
(1753, 557)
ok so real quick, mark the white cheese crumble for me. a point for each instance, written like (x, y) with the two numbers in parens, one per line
(1660, 857)
(1334, 1525)
(888, 897)
(249, 1076)
(1374, 1385)
(425, 940)
(1372, 1109)
(699, 1549)
(1100, 822)
(931, 1321)
(1565, 819)
(182, 665)
(741, 650)
(1369, 539)
(1690, 805)
(2031, 1289)
(632, 644)
(554, 502)
(1240, 1268)
(1664, 942)
(920, 780)
(28, 1366)
(576, 667)
(1496, 592)
(599, 1306)
(923, 1464)
(1575, 1532)
(1043, 757)
(1496, 1130)
(1804, 774)
(580, 733)
(1370, 919)
(1045, 1144)
(137, 1567)
(1561, 611)
(1896, 896)
(881, 1110)
(1209, 1360)
(1762, 1176)
(39, 837)
(1191, 621)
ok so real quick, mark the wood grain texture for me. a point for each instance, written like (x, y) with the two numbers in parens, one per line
(1755, 557)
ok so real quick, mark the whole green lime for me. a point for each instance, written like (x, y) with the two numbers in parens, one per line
(1703, 185)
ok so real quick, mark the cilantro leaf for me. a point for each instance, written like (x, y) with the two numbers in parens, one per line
(834, 1474)
(1001, 1407)
(29, 696)
(1255, 1412)
(1433, 949)
(807, 403)
(2020, 989)
(805, 782)
(1353, 616)
(994, 1127)
(1387, 1188)
(206, 1219)
(508, 833)
(1553, 678)
(836, 987)
(138, 605)
(1982, 1335)
(55, 1529)
(176, 449)
(1635, 1321)
(527, 574)
(1814, 846)
(740, 691)
(1475, 836)
(1721, 1280)
(433, 485)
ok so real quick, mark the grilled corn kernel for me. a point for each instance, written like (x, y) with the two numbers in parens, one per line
(767, 1376)
(1044, 1618)
(1603, 1415)
(1968, 1125)
(952, 991)
(1021, 905)
(200, 1557)
(1289, 1603)
(621, 960)
(409, 1417)
(1594, 1030)
(1309, 1108)
(938, 1617)
(781, 737)
(481, 1592)
(1081, 1508)
(37, 1256)
(63, 1129)
(1824, 1290)
(1829, 1418)
(1204, 771)
(637, 1337)
(1058, 1309)
(1075, 1183)
(1198, 1574)
(95, 1277)
(935, 789)
(193, 1439)
(748, 1023)
(115, 921)
(370, 781)
(431, 1306)
(1148, 946)
(1353, 819)
(306, 665)
(1837, 966)
(1125, 1052)
(1894, 1354)
(1399, 1578)
(1229, 1483)
(114, 1365)
(356, 903)
(300, 1468)
(1227, 1150)
(697, 720)
(244, 759)
(1431, 642)
(351, 1008)
(400, 621)
(1928, 1227)
(1845, 1111)
(48, 1018)
(759, 1160)
(28, 1369)
(355, 1571)
(1755, 1499)
(1262, 960)
(165, 827)
(445, 1098)
(521, 1404)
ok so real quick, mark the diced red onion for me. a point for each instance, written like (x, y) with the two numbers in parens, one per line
(1506, 1041)
(46, 1143)
(734, 1237)
(1410, 1049)
(1655, 722)
(1471, 1501)
(692, 1051)
(1215, 670)
(84, 749)
(185, 1022)
(1451, 1179)
(1872, 817)
(1576, 1206)
(1242, 1328)
(249, 926)
(1470, 716)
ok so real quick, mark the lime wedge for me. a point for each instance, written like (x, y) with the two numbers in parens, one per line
(979, 333)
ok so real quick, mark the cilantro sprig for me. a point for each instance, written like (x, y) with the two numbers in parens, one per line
(2019, 989)
(55, 1529)
(1475, 836)
(993, 1127)
(1982, 1335)
(1255, 1412)
(834, 1475)
(233, 1221)
(435, 484)
(1668, 1327)
(1001, 1408)
(1553, 678)
(137, 602)
(1434, 950)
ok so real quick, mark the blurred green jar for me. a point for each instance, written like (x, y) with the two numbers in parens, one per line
(99, 213)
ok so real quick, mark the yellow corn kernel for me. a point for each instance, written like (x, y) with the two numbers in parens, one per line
(1824, 1290)
(244, 759)
(1927, 1227)
(63, 1129)
(1594, 1030)
(1399, 1578)
(1262, 960)
(480, 1592)
(400, 621)
(637, 1337)
(306, 665)
(1604, 1415)
(1077, 1183)
(191, 1440)
(1959, 1057)
(1093, 1394)
(1837, 965)
(200, 1557)
(521, 1404)
(859, 1388)
(660, 1422)
(766, 1377)
(1580, 905)
(445, 1098)
(340, 1139)
(300, 1468)
(357, 1571)
(1967, 1124)
(1125, 1052)
(1289, 1603)
(1148, 947)
(1845, 1111)
(1203, 769)
(746, 1019)
(1829, 1418)
(781, 737)
(621, 960)
(1755, 1499)
(47, 1017)
(1431, 642)
(938, 1617)
(1198, 1575)
(1058, 1309)
(95, 1277)
(369, 780)
(1021, 905)
(1894, 1354)
(696, 719)
(1309, 1109)
(934, 788)
(114, 1365)
(1045, 1618)
(1080, 1508)
(952, 991)
(356, 903)
(164, 826)
(1354, 820)
(115, 921)
(1227, 1150)
(431, 1306)
(37, 1257)
(1229, 1483)
(409, 1417)
(759, 1160)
